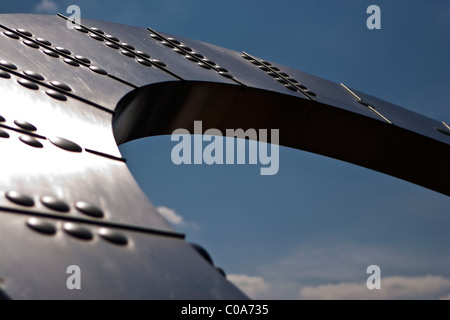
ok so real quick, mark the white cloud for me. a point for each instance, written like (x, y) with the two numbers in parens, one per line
(46, 6)
(175, 219)
(325, 268)
(426, 287)
(254, 287)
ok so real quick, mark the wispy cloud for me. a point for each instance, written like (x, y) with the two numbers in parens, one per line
(176, 219)
(46, 6)
(426, 287)
(254, 287)
(327, 271)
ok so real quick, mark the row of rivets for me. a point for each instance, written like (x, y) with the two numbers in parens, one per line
(192, 55)
(57, 141)
(282, 77)
(62, 143)
(76, 230)
(54, 204)
(31, 141)
(33, 86)
(127, 53)
(54, 54)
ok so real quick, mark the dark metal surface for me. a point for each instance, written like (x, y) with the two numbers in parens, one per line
(66, 195)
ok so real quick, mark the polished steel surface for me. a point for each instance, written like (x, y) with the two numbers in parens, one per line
(68, 97)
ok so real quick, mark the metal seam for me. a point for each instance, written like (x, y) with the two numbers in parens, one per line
(99, 223)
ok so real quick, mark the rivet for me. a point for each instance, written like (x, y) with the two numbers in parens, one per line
(292, 80)
(31, 141)
(284, 74)
(272, 74)
(83, 59)
(89, 209)
(51, 53)
(71, 62)
(364, 103)
(290, 87)
(41, 226)
(167, 44)
(267, 63)
(127, 53)
(174, 40)
(43, 41)
(95, 36)
(112, 45)
(98, 70)
(25, 125)
(275, 69)
(202, 252)
(156, 37)
(24, 32)
(110, 37)
(210, 62)
(4, 74)
(220, 270)
(65, 144)
(81, 29)
(310, 93)
(264, 68)
(301, 86)
(221, 69)
(60, 85)
(191, 58)
(2, 119)
(4, 134)
(113, 236)
(34, 75)
(63, 50)
(204, 65)
(11, 35)
(8, 65)
(128, 46)
(97, 30)
(281, 80)
(246, 57)
(178, 50)
(78, 231)
(444, 131)
(144, 62)
(56, 95)
(185, 47)
(19, 198)
(143, 54)
(226, 74)
(159, 63)
(198, 55)
(256, 62)
(28, 84)
(55, 204)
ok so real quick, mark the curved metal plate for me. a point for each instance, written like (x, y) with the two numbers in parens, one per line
(84, 92)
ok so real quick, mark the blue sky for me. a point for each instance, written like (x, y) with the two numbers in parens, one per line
(311, 230)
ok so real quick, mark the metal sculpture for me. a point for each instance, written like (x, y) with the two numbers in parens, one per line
(69, 96)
